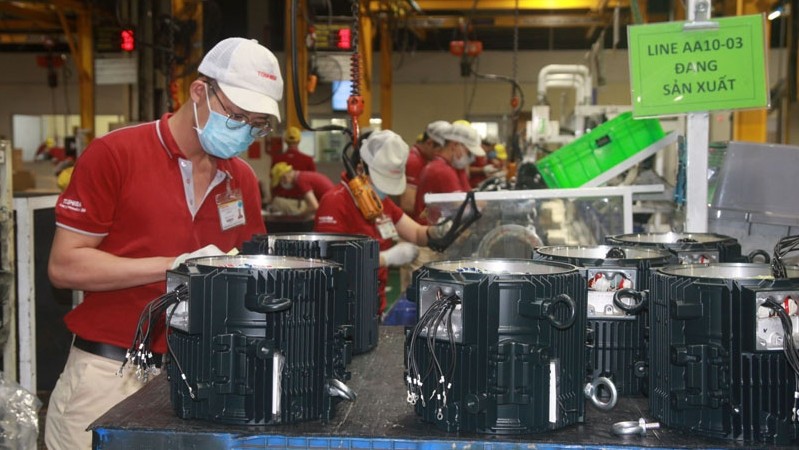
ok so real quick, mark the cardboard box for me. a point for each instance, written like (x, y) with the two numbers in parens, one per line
(23, 180)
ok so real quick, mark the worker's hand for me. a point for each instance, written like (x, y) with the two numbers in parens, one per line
(490, 169)
(436, 232)
(208, 250)
(400, 254)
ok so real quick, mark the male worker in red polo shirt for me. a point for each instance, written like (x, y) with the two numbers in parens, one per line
(292, 155)
(297, 192)
(142, 199)
(421, 153)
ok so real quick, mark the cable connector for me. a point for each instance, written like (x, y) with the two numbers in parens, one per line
(188, 386)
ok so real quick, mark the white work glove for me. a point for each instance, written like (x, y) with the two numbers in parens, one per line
(400, 254)
(489, 169)
(440, 230)
(208, 250)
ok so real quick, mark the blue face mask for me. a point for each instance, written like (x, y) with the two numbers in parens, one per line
(219, 140)
(380, 194)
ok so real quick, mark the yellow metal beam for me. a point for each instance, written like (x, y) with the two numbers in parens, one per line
(523, 5)
(77, 6)
(86, 73)
(528, 21)
(39, 26)
(82, 50)
(183, 74)
(291, 119)
(751, 126)
(386, 73)
(28, 11)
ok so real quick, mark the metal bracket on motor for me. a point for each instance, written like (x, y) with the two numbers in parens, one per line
(591, 392)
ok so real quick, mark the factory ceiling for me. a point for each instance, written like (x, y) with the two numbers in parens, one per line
(416, 24)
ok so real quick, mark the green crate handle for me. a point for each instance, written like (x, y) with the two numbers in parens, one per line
(603, 141)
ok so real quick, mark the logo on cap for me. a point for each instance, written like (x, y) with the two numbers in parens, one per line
(268, 76)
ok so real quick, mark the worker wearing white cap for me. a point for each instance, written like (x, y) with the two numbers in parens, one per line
(422, 153)
(447, 172)
(384, 154)
(142, 199)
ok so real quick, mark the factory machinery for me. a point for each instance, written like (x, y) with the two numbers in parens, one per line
(501, 345)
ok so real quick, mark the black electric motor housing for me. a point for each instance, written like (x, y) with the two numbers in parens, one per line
(357, 314)
(718, 367)
(498, 345)
(617, 337)
(690, 248)
(254, 340)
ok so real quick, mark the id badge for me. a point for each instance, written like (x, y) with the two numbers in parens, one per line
(386, 227)
(231, 209)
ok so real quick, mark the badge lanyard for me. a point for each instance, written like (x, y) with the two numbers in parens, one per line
(386, 227)
(231, 207)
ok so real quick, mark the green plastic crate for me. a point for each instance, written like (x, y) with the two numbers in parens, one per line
(592, 154)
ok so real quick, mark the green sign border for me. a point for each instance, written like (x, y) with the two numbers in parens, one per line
(647, 85)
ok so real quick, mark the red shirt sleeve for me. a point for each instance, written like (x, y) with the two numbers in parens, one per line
(391, 210)
(89, 200)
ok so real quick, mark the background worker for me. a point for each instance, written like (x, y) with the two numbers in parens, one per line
(297, 192)
(384, 155)
(292, 154)
(142, 199)
(446, 173)
(421, 153)
(484, 166)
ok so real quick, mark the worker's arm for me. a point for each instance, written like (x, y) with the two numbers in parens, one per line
(311, 204)
(76, 263)
(407, 200)
(411, 231)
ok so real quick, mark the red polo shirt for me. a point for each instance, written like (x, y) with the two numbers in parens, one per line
(476, 178)
(306, 181)
(414, 166)
(338, 214)
(438, 177)
(129, 188)
(296, 159)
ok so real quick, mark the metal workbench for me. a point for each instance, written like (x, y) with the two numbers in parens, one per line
(379, 419)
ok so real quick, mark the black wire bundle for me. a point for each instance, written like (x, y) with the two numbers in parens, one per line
(140, 352)
(440, 312)
(788, 345)
(786, 245)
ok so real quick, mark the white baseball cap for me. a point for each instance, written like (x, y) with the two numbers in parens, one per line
(247, 72)
(386, 154)
(436, 130)
(467, 136)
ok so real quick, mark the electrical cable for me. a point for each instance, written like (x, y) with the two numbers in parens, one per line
(788, 346)
(437, 316)
(786, 245)
(174, 357)
(140, 352)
